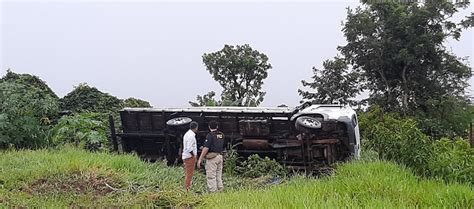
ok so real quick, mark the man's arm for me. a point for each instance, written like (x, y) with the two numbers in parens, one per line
(203, 153)
(205, 150)
(194, 146)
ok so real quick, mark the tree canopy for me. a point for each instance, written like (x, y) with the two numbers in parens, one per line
(28, 80)
(398, 49)
(240, 70)
(395, 51)
(206, 100)
(85, 98)
(333, 84)
(134, 102)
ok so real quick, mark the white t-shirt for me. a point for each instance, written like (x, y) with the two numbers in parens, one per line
(189, 144)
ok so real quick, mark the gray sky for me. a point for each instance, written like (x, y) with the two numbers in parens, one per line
(152, 49)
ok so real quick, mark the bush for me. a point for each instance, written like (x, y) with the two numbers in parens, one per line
(29, 81)
(133, 102)
(255, 166)
(401, 140)
(452, 160)
(85, 130)
(89, 99)
(231, 160)
(395, 139)
(26, 114)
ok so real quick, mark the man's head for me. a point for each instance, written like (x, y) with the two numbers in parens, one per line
(213, 125)
(194, 126)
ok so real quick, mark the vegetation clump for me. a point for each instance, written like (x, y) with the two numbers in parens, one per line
(27, 109)
(134, 102)
(85, 98)
(400, 140)
(86, 130)
(256, 166)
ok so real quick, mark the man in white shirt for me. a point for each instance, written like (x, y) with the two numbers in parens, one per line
(189, 153)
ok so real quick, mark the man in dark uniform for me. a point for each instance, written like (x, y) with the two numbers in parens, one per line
(213, 148)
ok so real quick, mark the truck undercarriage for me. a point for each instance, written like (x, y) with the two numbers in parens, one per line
(299, 141)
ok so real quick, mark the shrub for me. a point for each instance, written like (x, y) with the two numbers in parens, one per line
(401, 140)
(85, 130)
(395, 139)
(89, 99)
(453, 160)
(133, 102)
(29, 81)
(26, 114)
(255, 166)
(231, 160)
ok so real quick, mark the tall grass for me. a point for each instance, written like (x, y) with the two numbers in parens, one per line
(135, 182)
(360, 184)
(357, 184)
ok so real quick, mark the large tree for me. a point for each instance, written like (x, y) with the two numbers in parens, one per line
(398, 48)
(240, 71)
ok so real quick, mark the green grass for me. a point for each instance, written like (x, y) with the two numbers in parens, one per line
(72, 177)
(360, 184)
(52, 178)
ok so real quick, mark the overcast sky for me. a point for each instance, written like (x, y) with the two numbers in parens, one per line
(152, 49)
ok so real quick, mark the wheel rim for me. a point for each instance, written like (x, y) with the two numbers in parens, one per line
(179, 121)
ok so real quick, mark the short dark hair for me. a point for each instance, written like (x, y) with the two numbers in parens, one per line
(193, 125)
(213, 124)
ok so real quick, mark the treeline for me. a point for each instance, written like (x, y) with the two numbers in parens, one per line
(30, 114)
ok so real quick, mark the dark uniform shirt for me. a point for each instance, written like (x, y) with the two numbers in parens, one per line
(215, 141)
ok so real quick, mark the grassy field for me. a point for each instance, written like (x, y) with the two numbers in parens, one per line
(354, 185)
(72, 177)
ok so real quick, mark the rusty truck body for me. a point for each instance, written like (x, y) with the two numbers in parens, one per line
(308, 137)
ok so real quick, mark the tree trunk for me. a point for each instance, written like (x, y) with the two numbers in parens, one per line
(387, 86)
(404, 91)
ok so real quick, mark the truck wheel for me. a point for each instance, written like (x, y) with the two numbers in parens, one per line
(179, 121)
(306, 123)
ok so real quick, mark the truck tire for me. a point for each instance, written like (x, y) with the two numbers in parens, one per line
(307, 124)
(179, 121)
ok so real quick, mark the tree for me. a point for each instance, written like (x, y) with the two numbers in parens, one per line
(134, 102)
(332, 84)
(206, 100)
(240, 71)
(89, 99)
(398, 49)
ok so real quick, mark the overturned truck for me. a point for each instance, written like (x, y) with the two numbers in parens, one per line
(308, 137)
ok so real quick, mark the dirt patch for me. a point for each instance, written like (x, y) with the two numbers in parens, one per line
(78, 183)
